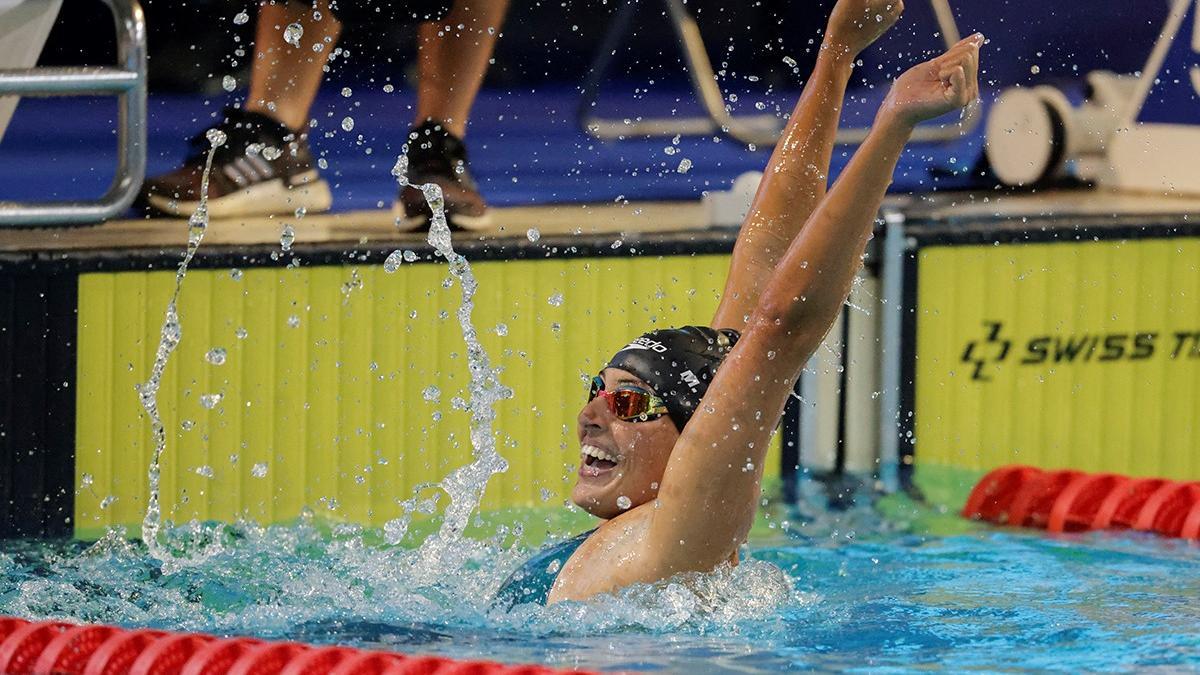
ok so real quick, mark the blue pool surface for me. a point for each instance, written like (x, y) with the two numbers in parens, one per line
(842, 592)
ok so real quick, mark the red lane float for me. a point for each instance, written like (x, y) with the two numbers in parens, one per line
(58, 648)
(1072, 501)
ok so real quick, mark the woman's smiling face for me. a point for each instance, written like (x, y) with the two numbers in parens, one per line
(619, 458)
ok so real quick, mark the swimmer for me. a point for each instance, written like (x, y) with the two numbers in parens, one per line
(676, 427)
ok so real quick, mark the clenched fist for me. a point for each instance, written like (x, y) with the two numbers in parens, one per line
(936, 87)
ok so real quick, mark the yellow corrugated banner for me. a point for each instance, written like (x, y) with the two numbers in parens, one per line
(322, 391)
(1062, 355)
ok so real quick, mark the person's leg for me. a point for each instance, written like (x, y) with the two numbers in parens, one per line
(284, 78)
(266, 166)
(453, 56)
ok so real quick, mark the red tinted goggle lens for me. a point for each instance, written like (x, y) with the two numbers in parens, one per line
(626, 403)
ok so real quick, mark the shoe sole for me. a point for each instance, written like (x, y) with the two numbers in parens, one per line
(407, 223)
(269, 198)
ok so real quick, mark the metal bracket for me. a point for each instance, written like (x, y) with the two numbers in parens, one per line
(128, 83)
(756, 129)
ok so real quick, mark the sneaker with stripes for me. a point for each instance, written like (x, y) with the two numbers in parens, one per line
(263, 169)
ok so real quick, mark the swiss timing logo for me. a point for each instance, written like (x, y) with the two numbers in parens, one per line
(1076, 348)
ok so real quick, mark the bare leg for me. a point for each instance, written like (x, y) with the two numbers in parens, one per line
(284, 79)
(453, 55)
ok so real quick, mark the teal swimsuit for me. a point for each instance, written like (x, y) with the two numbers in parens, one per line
(533, 580)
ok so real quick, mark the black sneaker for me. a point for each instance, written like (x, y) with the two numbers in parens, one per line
(263, 169)
(438, 156)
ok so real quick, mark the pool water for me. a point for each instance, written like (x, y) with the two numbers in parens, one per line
(848, 590)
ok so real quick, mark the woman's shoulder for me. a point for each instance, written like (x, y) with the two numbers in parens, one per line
(614, 555)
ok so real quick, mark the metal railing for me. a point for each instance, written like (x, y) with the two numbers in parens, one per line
(757, 129)
(126, 81)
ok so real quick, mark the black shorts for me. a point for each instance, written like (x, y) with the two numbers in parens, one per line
(392, 11)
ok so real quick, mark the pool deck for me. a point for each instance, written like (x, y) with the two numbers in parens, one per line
(973, 212)
(361, 227)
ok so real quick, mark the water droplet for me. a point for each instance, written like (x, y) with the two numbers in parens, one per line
(670, 149)
(347, 123)
(532, 234)
(210, 401)
(293, 321)
(409, 256)
(347, 92)
(556, 300)
(301, 212)
(271, 153)
(235, 274)
(393, 262)
(388, 88)
(1035, 69)
(624, 502)
(259, 470)
(789, 61)
(228, 83)
(241, 18)
(241, 333)
(431, 394)
(293, 33)
(770, 355)
(215, 356)
(216, 137)
(86, 480)
(287, 237)
(685, 165)
(501, 329)
(205, 470)
(187, 425)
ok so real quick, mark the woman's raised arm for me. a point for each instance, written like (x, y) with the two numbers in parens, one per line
(796, 175)
(710, 489)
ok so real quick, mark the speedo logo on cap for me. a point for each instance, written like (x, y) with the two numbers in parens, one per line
(647, 343)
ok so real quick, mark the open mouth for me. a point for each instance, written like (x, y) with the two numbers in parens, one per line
(596, 461)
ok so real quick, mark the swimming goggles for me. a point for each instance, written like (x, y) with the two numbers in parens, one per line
(629, 403)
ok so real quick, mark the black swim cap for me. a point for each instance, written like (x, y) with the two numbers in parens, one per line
(679, 363)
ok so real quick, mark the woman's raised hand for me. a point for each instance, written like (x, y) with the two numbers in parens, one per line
(855, 24)
(936, 87)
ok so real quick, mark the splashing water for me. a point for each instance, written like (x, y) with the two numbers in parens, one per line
(170, 336)
(464, 486)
